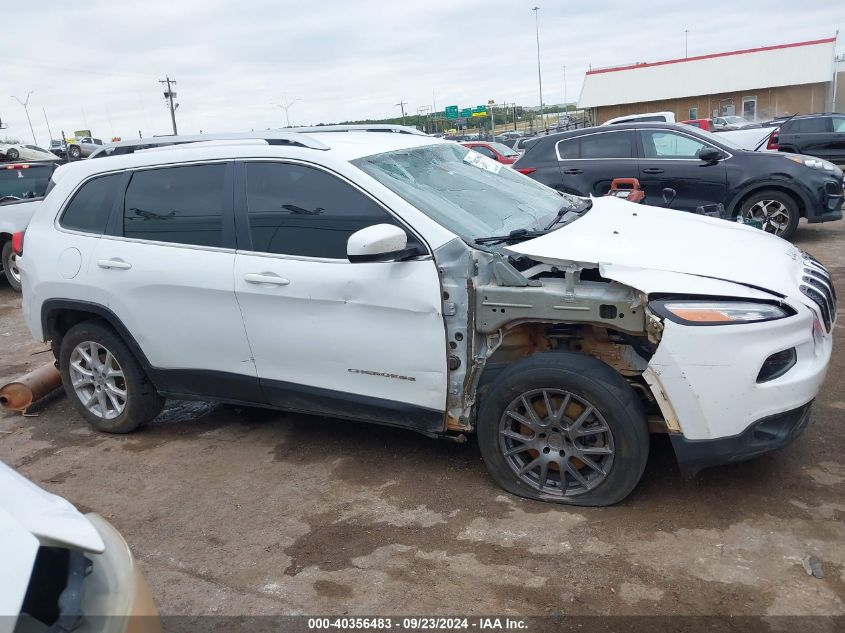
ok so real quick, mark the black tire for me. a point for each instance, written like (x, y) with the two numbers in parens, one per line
(12, 154)
(142, 401)
(6, 256)
(74, 152)
(615, 407)
(788, 204)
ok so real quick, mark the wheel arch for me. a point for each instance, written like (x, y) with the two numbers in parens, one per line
(59, 315)
(799, 198)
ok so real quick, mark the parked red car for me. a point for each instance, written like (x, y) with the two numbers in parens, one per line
(497, 151)
(704, 124)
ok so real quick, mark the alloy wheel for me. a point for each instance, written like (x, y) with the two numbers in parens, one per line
(772, 213)
(13, 268)
(98, 380)
(556, 442)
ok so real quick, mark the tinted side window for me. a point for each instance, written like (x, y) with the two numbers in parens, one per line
(569, 149)
(839, 124)
(90, 208)
(811, 126)
(176, 204)
(298, 210)
(484, 150)
(607, 145)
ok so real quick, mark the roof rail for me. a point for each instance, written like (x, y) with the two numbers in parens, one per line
(271, 137)
(374, 127)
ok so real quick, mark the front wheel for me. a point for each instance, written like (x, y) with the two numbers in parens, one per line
(74, 151)
(10, 266)
(12, 154)
(565, 428)
(777, 212)
(104, 381)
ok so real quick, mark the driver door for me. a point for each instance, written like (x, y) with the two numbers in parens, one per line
(356, 340)
(670, 160)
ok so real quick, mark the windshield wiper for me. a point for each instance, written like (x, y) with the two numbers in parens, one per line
(566, 209)
(517, 235)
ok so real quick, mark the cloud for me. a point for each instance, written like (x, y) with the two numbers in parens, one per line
(96, 63)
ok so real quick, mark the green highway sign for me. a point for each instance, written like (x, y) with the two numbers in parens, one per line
(479, 111)
(451, 112)
(466, 113)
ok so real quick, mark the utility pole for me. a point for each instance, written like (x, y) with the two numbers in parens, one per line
(686, 43)
(402, 105)
(25, 104)
(49, 131)
(286, 106)
(536, 11)
(170, 96)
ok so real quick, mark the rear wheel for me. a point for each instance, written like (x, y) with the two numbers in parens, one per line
(565, 428)
(74, 151)
(777, 211)
(104, 381)
(10, 266)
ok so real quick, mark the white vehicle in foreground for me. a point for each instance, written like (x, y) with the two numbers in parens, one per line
(404, 280)
(63, 571)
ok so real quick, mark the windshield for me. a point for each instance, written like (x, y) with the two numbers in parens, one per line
(469, 194)
(28, 182)
(503, 149)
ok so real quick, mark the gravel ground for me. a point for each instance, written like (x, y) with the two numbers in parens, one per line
(243, 511)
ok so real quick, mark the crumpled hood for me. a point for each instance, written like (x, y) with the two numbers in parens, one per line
(623, 237)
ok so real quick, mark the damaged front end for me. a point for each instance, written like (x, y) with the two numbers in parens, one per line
(499, 310)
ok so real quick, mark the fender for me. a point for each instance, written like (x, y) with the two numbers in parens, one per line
(788, 185)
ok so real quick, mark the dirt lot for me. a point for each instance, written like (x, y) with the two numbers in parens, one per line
(236, 511)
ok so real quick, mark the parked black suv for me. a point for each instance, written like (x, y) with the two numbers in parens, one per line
(702, 168)
(820, 135)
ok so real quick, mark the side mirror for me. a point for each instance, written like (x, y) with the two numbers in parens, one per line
(669, 195)
(377, 243)
(710, 154)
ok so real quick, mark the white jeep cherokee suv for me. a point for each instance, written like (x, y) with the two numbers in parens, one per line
(404, 280)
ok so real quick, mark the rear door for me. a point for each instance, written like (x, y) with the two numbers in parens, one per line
(165, 268)
(670, 160)
(589, 163)
(813, 136)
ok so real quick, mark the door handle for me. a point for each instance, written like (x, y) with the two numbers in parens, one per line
(266, 278)
(652, 170)
(114, 262)
(573, 172)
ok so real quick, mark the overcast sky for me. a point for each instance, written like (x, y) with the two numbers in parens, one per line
(95, 64)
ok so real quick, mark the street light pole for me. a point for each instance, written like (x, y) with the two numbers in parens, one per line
(686, 43)
(565, 100)
(286, 105)
(25, 104)
(539, 73)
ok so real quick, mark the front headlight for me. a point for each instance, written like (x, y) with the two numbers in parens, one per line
(718, 312)
(814, 163)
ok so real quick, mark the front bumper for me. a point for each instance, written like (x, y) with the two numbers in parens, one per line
(829, 203)
(765, 435)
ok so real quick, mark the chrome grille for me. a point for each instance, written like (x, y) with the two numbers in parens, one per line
(818, 286)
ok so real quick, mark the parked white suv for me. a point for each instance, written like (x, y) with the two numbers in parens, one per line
(405, 280)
